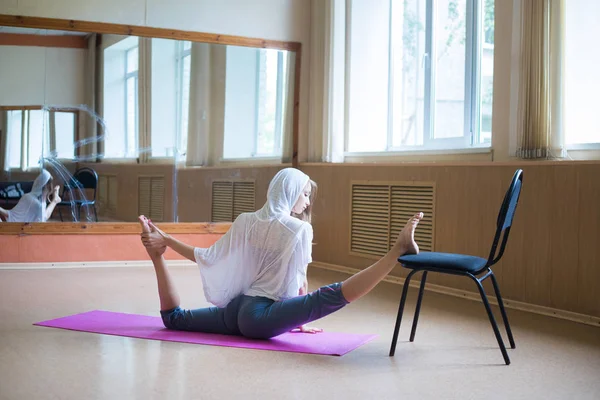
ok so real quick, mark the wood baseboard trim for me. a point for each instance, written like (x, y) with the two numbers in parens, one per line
(516, 305)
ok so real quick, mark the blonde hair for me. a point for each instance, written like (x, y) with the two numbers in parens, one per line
(306, 215)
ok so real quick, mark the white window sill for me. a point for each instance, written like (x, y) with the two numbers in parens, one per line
(584, 152)
(118, 161)
(251, 161)
(583, 146)
(423, 155)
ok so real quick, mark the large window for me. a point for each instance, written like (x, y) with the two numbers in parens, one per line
(33, 134)
(581, 80)
(419, 74)
(121, 99)
(255, 93)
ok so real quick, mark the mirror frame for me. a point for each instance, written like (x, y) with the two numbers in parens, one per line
(47, 228)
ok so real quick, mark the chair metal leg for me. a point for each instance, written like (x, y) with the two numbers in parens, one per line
(503, 312)
(486, 303)
(400, 311)
(418, 307)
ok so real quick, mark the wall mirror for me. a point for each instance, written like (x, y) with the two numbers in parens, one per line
(122, 117)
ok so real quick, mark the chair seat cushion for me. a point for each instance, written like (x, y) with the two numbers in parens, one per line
(443, 261)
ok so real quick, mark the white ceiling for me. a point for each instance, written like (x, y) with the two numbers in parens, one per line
(32, 31)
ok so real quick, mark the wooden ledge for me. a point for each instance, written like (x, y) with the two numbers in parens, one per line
(145, 31)
(109, 228)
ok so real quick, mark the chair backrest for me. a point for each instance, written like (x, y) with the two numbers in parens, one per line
(505, 217)
(83, 178)
(87, 177)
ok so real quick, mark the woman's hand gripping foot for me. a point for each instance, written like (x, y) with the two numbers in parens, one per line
(152, 238)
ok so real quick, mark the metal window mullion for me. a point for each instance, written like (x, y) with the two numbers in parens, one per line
(472, 71)
(24, 139)
(51, 131)
(348, 68)
(126, 105)
(279, 103)
(259, 54)
(179, 62)
(390, 105)
(429, 90)
(137, 114)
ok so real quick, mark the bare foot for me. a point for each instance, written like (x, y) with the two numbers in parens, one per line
(406, 239)
(146, 229)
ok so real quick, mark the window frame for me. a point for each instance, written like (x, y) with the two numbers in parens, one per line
(467, 143)
(25, 135)
(590, 150)
(255, 156)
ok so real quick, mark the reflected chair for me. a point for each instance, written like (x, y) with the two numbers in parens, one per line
(476, 268)
(75, 192)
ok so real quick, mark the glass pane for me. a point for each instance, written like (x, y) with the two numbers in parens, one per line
(241, 101)
(187, 45)
(132, 60)
(582, 81)
(408, 47)
(65, 134)
(368, 75)
(185, 103)
(39, 137)
(267, 102)
(14, 138)
(449, 61)
(486, 89)
(131, 117)
(165, 78)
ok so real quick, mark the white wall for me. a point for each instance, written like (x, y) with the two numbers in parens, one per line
(41, 76)
(287, 20)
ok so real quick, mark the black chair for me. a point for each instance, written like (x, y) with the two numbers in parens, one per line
(75, 192)
(476, 268)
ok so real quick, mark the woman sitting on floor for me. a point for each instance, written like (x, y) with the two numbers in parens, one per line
(255, 274)
(33, 207)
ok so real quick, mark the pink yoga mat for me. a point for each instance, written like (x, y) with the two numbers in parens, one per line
(146, 327)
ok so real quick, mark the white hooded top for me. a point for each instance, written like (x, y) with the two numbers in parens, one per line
(264, 253)
(31, 207)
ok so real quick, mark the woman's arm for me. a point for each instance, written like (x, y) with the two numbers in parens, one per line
(182, 248)
(3, 214)
(304, 289)
(158, 238)
(50, 207)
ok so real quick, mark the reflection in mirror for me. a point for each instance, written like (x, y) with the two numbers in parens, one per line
(114, 119)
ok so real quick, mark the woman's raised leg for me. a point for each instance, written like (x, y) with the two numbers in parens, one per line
(207, 320)
(169, 298)
(363, 282)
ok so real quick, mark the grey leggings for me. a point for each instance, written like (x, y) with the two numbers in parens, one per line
(258, 317)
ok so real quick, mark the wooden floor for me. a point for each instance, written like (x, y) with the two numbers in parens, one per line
(455, 355)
